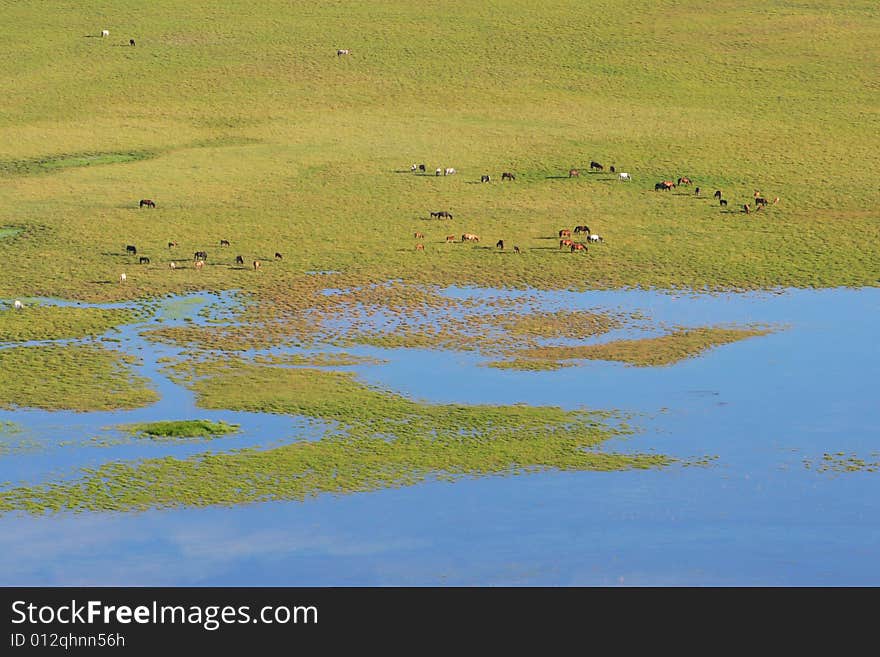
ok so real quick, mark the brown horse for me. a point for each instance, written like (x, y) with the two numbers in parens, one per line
(419, 236)
(224, 242)
(516, 249)
(565, 232)
(420, 247)
(147, 202)
(573, 173)
(577, 246)
(684, 181)
(565, 243)
(450, 239)
(507, 176)
(257, 265)
(470, 237)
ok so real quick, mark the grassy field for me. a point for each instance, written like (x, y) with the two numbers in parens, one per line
(242, 123)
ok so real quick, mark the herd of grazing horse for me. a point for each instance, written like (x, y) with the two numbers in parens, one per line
(759, 200)
(199, 257)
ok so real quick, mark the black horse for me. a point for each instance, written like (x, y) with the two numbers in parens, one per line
(131, 249)
(596, 166)
(239, 260)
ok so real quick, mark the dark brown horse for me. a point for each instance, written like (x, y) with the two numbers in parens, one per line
(581, 229)
(499, 244)
(507, 176)
(147, 202)
(224, 242)
(596, 166)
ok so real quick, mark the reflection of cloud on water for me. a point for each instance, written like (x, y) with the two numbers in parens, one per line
(160, 548)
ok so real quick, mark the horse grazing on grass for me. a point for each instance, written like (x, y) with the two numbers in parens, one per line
(131, 249)
(577, 246)
(565, 232)
(499, 244)
(507, 176)
(573, 173)
(147, 202)
(596, 166)
(239, 260)
(581, 229)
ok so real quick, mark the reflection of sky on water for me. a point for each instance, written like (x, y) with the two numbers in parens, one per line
(756, 517)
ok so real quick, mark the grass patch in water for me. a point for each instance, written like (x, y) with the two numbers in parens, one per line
(841, 462)
(40, 322)
(379, 440)
(180, 429)
(668, 349)
(72, 377)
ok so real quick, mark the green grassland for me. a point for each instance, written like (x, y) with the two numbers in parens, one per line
(242, 123)
(75, 377)
(376, 440)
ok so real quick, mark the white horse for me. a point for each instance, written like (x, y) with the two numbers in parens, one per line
(173, 265)
(105, 33)
(340, 53)
(437, 172)
(122, 277)
(596, 238)
(17, 305)
(449, 171)
(624, 176)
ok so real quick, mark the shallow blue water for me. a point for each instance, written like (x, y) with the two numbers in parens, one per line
(756, 516)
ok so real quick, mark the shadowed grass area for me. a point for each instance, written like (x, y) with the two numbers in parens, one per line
(381, 440)
(647, 352)
(9, 231)
(55, 162)
(177, 429)
(74, 377)
(57, 322)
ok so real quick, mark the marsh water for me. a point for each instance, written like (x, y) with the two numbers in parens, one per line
(763, 409)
